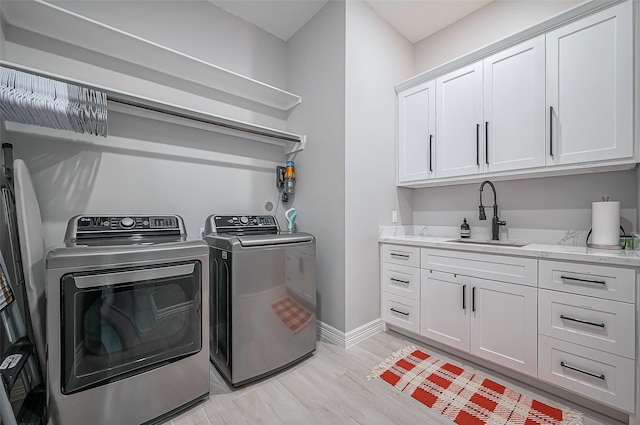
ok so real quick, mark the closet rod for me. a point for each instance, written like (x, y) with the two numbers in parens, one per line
(228, 125)
(159, 107)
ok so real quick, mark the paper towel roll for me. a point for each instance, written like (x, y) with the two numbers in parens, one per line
(605, 223)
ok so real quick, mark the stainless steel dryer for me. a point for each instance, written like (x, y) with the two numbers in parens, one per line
(127, 321)
(263, 296)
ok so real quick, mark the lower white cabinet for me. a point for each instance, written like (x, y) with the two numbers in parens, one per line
(587, 330)
(401, 311)
(596, 374)
(570, 324)
(400, 281)
(445, 308)
(593, 322)
(489, 319)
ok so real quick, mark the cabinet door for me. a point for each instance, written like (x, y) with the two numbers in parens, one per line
(416, 129)
(504, 324)
(514, 107)
(590, 88)
(444, 314)
(458, 122)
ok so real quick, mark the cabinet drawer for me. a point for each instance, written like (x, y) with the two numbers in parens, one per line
(601, 376)
(401, 280)
(594, 322)
(399, 254)
(400, 311)
(523, 271)
(613, 283)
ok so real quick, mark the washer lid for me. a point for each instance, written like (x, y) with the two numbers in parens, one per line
(280, 239)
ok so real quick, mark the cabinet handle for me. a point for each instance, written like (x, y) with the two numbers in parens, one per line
(473, 299)
(601, 376)
(399, 312)
(585, 322)
(430, 152)
(486, 142)
(601, 282)
(478, 145)
(393, 254)
(551, 131)
(406, 282)
(464, 297)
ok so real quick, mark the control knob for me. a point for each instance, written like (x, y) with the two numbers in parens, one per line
(127, 222)
(244, 220)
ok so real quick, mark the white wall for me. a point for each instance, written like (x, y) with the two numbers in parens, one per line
(316, 62)
(553, 203)
(560, 203)
(2, 46)
(148, 165)
(143, 167)
(197, 28)
(491, 23)
(377, 58)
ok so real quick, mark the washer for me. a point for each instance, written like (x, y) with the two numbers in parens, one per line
(130, 295)
(263, 296)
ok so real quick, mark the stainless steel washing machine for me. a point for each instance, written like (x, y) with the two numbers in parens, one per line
(127, 321)
(263, 296)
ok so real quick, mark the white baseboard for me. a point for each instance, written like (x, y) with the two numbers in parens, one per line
(335, 336)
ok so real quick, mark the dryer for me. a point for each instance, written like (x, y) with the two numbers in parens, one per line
(127, 321)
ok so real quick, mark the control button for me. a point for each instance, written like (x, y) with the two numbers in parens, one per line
(146, 222)
(127, 222)
(244, 220)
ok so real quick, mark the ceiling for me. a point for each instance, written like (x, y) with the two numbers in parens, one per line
(414, 19)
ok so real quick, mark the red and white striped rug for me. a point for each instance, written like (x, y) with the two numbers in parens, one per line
(465, 397)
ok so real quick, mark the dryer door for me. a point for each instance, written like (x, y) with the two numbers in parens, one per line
(121, 322)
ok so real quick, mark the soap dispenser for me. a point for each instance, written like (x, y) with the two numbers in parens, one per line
(465, 231)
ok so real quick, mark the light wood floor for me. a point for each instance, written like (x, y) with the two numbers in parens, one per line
(332, 388)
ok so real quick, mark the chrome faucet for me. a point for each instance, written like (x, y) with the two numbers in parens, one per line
(495, 221)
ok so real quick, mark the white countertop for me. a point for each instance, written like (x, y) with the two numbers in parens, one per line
(624, 257)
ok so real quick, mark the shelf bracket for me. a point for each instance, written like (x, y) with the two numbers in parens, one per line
(298, 147)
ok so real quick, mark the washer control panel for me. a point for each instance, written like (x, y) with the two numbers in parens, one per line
(239, 223)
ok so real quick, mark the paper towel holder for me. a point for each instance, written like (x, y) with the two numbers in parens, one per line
(598, 246)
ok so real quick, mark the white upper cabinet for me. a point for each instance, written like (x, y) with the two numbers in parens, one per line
(556, 99)
(514, 107)
(416, 131)
(590, 88)
(458, 121)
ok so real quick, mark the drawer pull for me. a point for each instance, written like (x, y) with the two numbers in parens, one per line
(464, 297)
(393, 254)
(399, 312)
(473, 299)
(585, 322)
(601, 282)
(393, 279)
(601, 376)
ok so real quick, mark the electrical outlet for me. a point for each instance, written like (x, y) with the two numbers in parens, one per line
(394, 216)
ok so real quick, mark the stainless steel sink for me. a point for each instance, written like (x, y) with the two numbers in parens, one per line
(516, 244)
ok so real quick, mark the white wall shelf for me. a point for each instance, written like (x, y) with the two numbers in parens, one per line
(52, 21)
(146, 107)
